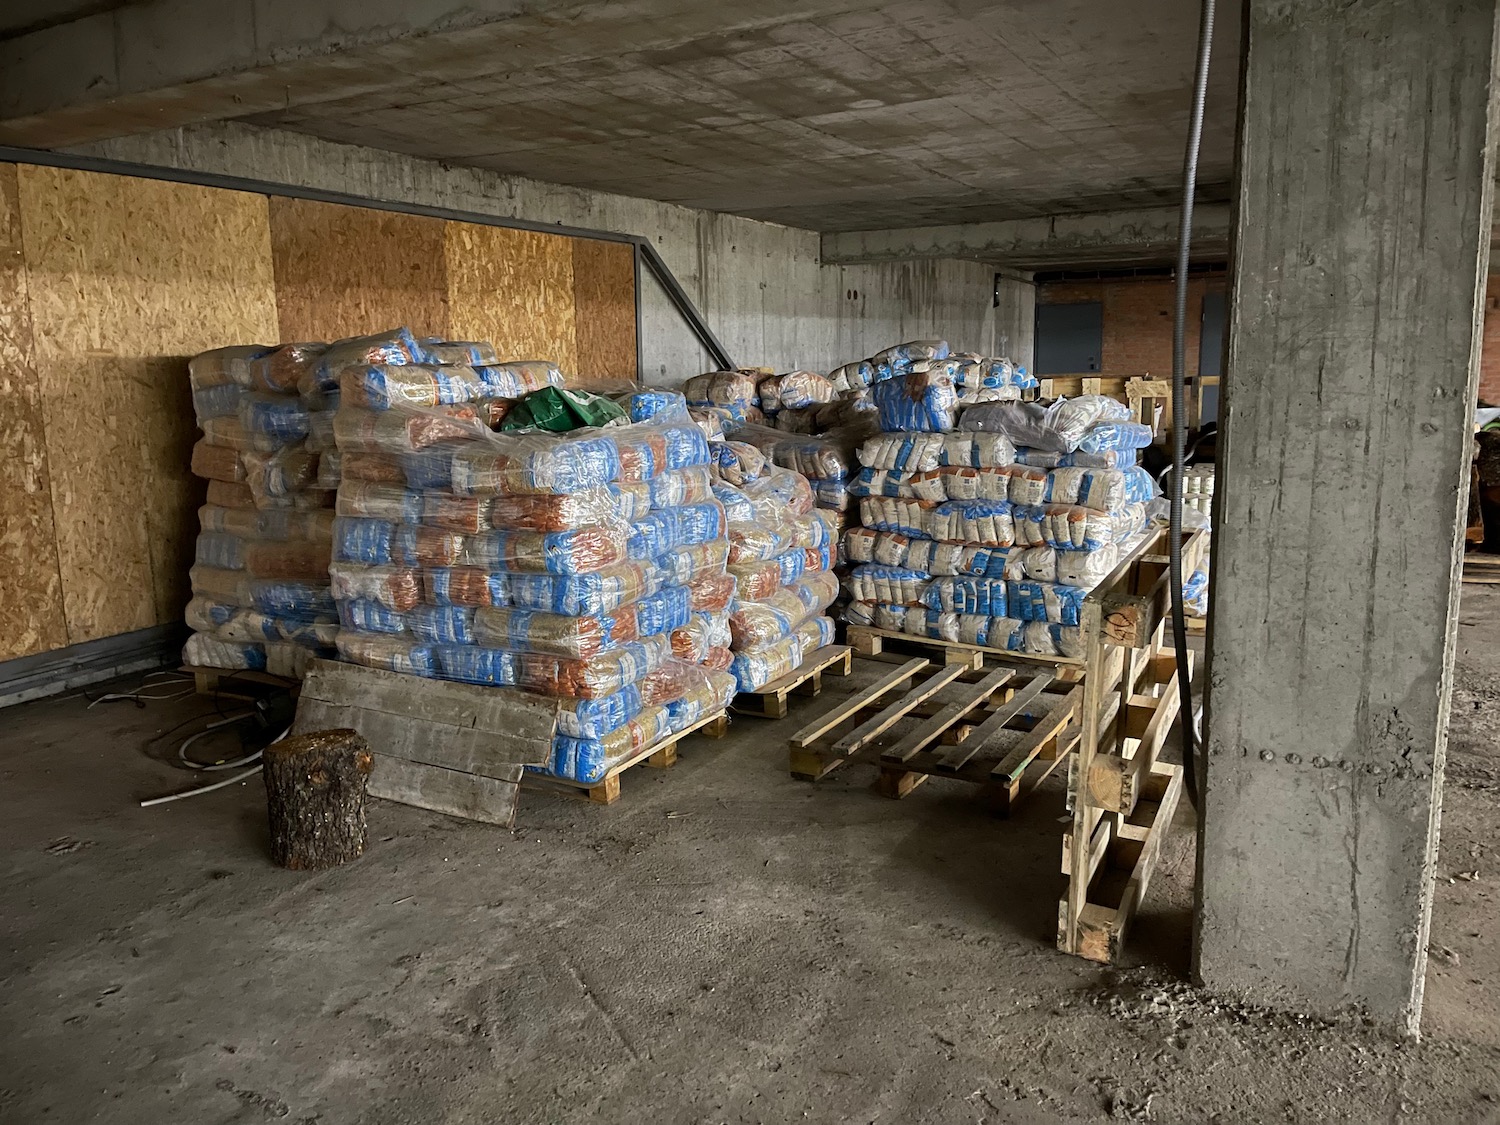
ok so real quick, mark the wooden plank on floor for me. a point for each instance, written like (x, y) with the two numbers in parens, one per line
(464, 727)
(490, 800)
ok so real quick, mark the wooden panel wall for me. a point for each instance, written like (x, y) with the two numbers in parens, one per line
(351, 271)
(127, 279)
(604, 304)
(515, 289)
(31, 607)
(109, 283)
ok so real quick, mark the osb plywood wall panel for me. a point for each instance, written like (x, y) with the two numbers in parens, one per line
(128, 278)
(515, 289)
(604, 310)
(31, 616)
(348, 271)
(108, 284)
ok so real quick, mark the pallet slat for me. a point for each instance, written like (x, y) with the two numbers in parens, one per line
(873, 727)
(930, 731)
(967, 748)
(818, 727)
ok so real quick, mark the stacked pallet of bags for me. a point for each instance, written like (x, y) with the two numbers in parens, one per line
(260, 581)
(988, 524)
(588, 566)
(975, 378)
(827, 460)
(260, 570)
(781, 550)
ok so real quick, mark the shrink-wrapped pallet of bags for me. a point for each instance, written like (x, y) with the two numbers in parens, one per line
(827, 460)
(260, 591)
(781, 553)
(974, 536)
(588, 565)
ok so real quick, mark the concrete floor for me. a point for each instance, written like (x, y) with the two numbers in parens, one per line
(724, 944)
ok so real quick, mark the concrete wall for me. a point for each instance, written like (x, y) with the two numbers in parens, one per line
(760, 286)
(1138, 320)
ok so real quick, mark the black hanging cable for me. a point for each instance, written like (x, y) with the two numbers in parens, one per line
(1186, 721)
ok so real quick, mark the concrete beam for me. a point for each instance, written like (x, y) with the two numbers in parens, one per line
(1364, 212)
(1132, 237)
(161, 64)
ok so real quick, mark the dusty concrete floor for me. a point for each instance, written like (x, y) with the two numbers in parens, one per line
(724, 944)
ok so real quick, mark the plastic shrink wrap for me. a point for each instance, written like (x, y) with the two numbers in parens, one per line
(260, 579)
(573, 564)
(993, 534)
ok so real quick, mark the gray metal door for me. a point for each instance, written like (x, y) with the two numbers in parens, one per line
(1069, 338)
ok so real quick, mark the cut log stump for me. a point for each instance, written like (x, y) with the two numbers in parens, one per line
(315, 798)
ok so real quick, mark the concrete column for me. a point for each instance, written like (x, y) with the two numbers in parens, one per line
(1015, 316)
(1366, 172)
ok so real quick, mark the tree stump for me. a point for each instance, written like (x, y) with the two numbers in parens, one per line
(315, 798)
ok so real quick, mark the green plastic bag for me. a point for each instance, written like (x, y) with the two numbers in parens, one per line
(558, 411)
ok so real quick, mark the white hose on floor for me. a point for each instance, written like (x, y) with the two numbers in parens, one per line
(181, 753)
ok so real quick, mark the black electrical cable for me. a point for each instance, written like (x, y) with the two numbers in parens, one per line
(1179, 405)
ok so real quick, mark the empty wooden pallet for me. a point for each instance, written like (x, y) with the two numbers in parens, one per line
(1004, 729)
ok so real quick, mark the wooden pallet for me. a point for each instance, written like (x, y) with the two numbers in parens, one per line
(1482, 569)
(769, 702)
(220, 681)
(659, 755)
(1004, 729)
(866, 640)
(1122, 796)
(1123, 862)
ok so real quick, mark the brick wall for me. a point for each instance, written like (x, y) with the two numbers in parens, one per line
(1138, 320)
(1489, 357)
(1138, 325)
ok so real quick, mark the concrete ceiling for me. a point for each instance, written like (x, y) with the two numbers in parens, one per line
(902, 114)
(835, 115)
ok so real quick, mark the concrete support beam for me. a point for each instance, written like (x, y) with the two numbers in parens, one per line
(1015, 317)
(162, 64)
(1364, 210)
(1103, 238)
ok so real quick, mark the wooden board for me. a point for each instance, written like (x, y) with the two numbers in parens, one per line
(465, 727)
(347, 271)
(449, 747)
(1481, 569)
(489, 800)
(604, 311)
(128, 278)
(31, 608)
(515, 289)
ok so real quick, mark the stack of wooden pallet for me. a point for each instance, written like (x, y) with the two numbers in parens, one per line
(1004, 722)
